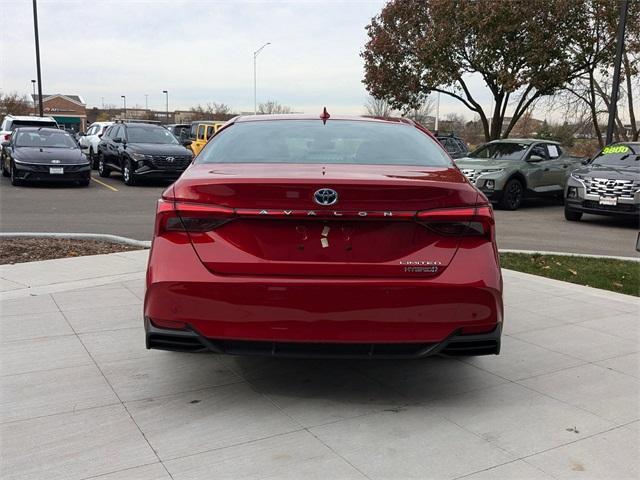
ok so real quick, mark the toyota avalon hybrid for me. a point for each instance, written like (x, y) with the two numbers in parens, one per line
(317, 236)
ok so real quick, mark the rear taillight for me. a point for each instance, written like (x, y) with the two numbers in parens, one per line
(190, 217)
(465, 221)
(7, 137)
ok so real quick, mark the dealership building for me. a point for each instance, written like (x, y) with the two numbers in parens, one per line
(68, 110)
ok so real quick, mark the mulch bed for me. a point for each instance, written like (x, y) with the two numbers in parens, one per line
(20, 250)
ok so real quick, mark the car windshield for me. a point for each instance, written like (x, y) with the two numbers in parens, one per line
(311, 141)
(617, 155)
(33, 123)
(45, 138)
(150, 135)
(501, 151)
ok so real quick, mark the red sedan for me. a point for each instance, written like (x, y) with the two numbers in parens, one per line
(316, 236)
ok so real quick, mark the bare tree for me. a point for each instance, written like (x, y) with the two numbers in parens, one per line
(14, 104)
(272, 107)
(423, 114)
(378, 107)
(213, 111)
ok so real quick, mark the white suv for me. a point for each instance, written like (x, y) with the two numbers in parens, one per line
(89, 141)
(11, 122)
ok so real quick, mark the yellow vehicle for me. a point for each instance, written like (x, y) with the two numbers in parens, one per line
(201, 132)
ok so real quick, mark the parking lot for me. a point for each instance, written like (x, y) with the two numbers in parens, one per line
(109, 206)
(82, 398)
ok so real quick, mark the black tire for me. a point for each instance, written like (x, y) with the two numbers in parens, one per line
(512, 195)
(85, 182)
(15, 181)
(128, 176)
(93, 159)
(103, 171)
(5, 172)
(572, 215)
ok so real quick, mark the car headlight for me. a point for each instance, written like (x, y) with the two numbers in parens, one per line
(577, 177)
(491, 170)
(140, 156)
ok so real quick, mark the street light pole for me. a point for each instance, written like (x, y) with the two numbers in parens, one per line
(255, 87)
(166, 92)
(35, 31)
(613, 104)
(33, 82)
(146, 101)
(124, 102)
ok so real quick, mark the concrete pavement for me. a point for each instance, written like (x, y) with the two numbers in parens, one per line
(108, 206)
(81, 397)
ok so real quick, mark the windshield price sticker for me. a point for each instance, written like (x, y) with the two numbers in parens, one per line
(615, 149)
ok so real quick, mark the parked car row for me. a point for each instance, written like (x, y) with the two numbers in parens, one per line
(505, 171)
(508, 171)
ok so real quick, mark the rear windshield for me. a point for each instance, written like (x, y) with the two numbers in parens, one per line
(44, 138)
(32, 123)
(613, 155)
(501, 151)
(311, 141)
(150, 135)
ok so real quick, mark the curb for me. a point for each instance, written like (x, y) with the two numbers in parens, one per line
(101, 237)
(147, 244)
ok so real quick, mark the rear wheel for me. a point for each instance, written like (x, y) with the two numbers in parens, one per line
(127, 173)
(5, 172)
(103, 171)
(572, 215)
(512, 196)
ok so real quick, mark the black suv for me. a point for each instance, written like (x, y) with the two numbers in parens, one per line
(142, 150)
(454, 145)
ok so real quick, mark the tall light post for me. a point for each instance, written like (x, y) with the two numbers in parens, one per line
(166, 92)
(255, 87)
(33, 82)
(437, 112)
(146, 101)
(124, 103)
(35, 31)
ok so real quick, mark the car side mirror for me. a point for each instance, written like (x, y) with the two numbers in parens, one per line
(6, 144)
(118, 140)
(585, 161)
(535, 159)
(186, 143)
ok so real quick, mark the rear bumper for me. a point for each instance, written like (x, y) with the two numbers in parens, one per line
(456, 344)
(183, 296)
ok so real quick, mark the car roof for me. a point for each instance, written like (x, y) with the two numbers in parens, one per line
(38, 129)
(31, 118)
(527, 141)
(140, 124)
(102, 123)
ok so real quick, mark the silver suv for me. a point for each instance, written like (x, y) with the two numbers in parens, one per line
(608, 185)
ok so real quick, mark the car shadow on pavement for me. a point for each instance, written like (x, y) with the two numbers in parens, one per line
(386, 383)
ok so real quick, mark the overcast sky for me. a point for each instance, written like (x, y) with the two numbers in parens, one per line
(201, 51)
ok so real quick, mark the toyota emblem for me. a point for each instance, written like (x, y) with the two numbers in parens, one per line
(325, 196)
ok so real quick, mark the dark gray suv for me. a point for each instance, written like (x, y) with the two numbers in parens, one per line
(608, 185)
